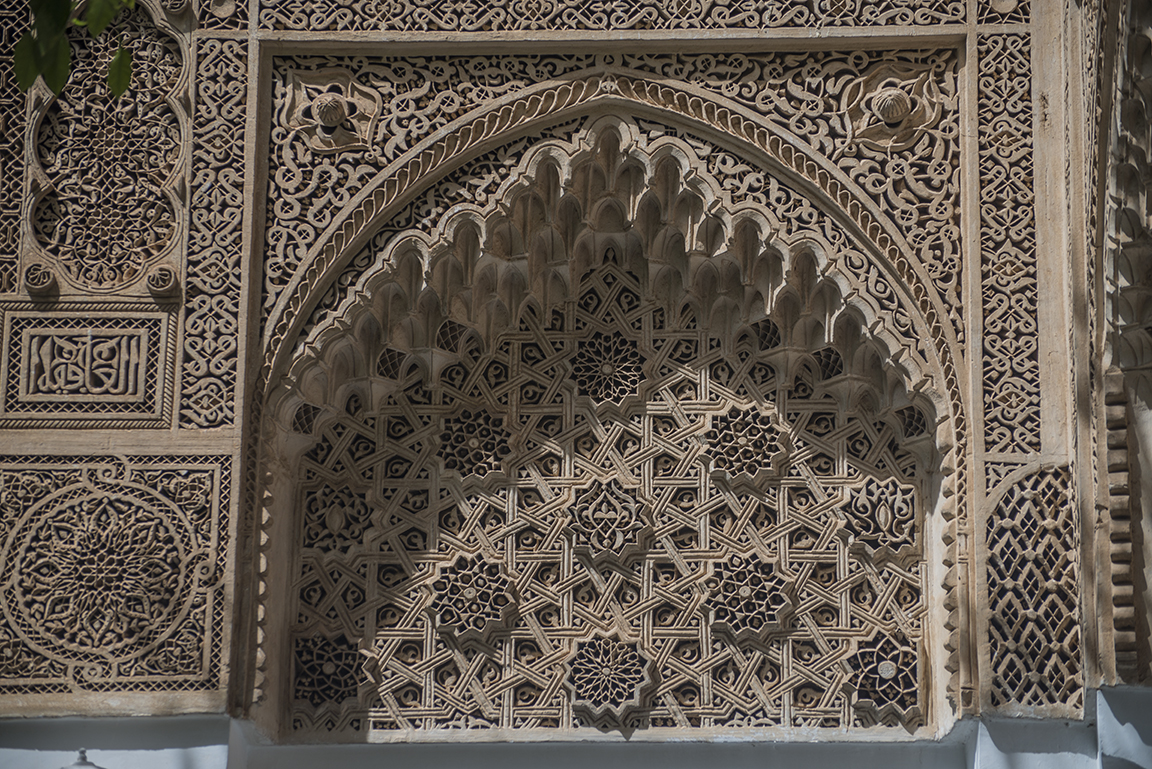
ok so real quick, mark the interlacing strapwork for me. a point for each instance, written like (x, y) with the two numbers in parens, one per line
(113, 574)
(1008, 247)
(212, 311)
(626, 509)
(527, 15)
(1034, 589)
(688, 536)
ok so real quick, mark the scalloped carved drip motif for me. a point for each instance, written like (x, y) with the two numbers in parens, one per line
(109, 167)
(1034, 587)
(527, 15)
(113, 574)
(908, 161)
(13, 19)
(640, 508)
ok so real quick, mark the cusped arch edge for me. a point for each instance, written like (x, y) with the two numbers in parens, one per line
(728, 124)
(775, 152)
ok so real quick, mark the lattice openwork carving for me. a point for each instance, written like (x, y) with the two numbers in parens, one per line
(1034, 589)
(528, 15)
(620, 505)
(13, 19)
(107, 170)
(114, 574)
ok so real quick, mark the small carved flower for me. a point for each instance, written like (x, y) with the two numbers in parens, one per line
(607, 677)
(607, 367)
(743, 442)
(890, 108)
(473, 442)
(748, 596)
(331, 109)
(887, 674)
(471, 595)
(606, 517)
(326, 670)
(882, 513)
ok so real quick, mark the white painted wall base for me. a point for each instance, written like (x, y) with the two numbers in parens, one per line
(1115, 734)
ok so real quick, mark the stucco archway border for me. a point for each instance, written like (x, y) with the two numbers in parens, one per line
(762, 144)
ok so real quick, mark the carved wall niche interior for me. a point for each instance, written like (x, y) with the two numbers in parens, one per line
(696, 381)
(647, 475)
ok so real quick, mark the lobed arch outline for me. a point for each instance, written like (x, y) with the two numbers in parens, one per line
(603, 89)
(938, 365)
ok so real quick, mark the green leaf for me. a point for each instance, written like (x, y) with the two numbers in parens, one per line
(100, 15)
(25, 61)
(120, 72)
(52, 17)
(55, 62)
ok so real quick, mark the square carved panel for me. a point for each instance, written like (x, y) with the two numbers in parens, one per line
(114, 575)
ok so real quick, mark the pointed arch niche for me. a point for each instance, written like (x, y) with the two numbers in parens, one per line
(607, 434)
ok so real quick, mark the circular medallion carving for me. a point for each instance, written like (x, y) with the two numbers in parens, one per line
(98, 569)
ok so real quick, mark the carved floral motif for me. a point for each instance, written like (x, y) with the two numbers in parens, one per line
(113, 574)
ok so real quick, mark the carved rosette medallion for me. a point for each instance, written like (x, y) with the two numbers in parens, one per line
(98, 569)
(114, 575)
(608, 680)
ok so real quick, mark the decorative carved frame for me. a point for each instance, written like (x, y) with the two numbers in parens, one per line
(230, 357)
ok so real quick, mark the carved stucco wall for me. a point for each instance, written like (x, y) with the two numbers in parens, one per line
(375, 385)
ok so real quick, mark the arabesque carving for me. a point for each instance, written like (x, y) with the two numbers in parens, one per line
(212, 300)
(114, 575)
(1008, 247)
(110, 171)
(531, 15)
(826, 100)
(603, 548)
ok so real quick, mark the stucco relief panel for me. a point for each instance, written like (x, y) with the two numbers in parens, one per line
(115, 575)
(607, 367)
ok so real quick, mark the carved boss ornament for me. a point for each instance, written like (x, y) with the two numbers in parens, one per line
(332, 110)
(892, 107)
